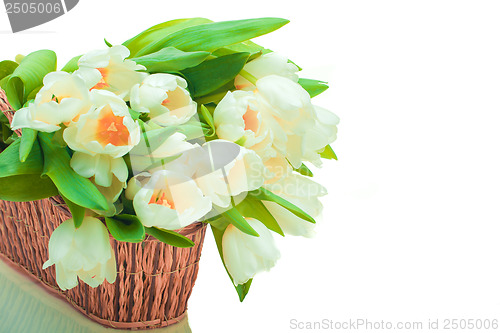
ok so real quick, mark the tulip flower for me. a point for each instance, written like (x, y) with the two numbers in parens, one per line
(265, 65)
(239, 118)
(308, 128)
(245, 255)
(303, 193)
(165, 98)
(170, 201)
(109, 70)
(84, 252)
(101, 137)
(62, 98)
(221, 169)
(277, 120)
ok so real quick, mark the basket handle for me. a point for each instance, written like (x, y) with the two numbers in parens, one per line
(7, 109)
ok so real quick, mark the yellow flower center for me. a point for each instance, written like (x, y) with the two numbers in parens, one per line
(102, 84)
(251, 120)
(111, 130)
(161, 198)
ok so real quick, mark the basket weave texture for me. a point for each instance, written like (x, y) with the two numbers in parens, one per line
(154, 280)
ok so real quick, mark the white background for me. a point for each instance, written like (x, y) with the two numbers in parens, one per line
(410, 230)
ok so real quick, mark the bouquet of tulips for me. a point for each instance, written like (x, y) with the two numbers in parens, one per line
(189, 121)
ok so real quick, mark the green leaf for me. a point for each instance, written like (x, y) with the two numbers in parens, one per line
(170, 237)
(214, 73)
(24, 188)
(207, 116)
(251, 207)
(76, 188)
(78, 212)
(107, 43)
(13, 87)
(10, 165)
(7, 67)
(254, 49)
(217, 95)
(27, 141)
(313, 87)
(29, 75)
(212, 36)
(328, 153)
(170, 59)
(159, 31)
(72, 65)
(243, 289)
(7, 134)
(304, 170)
(236, 219)
(265, 195)
(126, 228)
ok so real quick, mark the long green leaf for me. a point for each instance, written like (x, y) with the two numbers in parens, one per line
(24, 188)
(126, 228)
(79, 190)
(265, 195)
(170, 59)
(7, 67)
(254, 49)
(241, 289)
(212, 36)
(170, 237)
(27, 141)
(78, 212)
(313, 87)
(159, 31)
(13, 87)
(236, 219)
(10, 165)
(251, 207)
(29, 75)
(215, 73)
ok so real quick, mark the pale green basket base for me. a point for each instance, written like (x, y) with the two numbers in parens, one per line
(26, 306)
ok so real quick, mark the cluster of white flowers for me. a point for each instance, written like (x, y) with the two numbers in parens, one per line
(274, 117)
(266, 128)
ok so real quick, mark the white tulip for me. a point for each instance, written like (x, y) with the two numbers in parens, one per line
(170, 201)
(62, 98)
(148, 156)
(101, 137)
(267, 64)
(221, 169)
(109, 70)
(277, 121)
(303, 193)
(84, 252)
(308, 128)
(246, 255)
(165, 98)
(238, 118)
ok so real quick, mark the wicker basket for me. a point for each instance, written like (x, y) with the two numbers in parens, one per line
(154, 280)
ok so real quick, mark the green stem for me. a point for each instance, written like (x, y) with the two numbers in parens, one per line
(248, 77)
